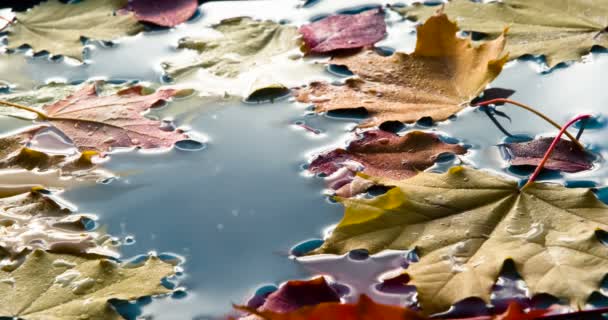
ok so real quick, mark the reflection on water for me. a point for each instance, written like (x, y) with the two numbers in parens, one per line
(233, 205)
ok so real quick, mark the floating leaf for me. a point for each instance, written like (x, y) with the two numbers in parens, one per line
(383, 154)
(465, 223)
(162, 12)
(339, 32)
(14, 153)
(100, 122)
(566, 157)
(245, 43)
(561, 30)
(439, 79)
(364, 309)
(299, 293)
(54, 286)
(31, 220)
(58, 28)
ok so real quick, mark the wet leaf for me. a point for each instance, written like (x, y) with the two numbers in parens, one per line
(244, 43)
(439, 79)
(566, 157)
(58, 28)
(15, 153)
(31, 220)
(163, 12)
(299, 293)
(465, 223)
(382, 154)
(339, 32)
(101, 122)
(561, 30)
(362, 310)
(54, 286)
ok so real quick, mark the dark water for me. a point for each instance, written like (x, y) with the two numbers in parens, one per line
(235, 208)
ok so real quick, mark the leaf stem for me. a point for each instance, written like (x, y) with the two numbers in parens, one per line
(40, 114)
(540, 166)
(536, 112)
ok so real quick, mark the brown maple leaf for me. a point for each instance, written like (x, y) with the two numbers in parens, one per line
(95, 122)
(437, 80)
(381, 154)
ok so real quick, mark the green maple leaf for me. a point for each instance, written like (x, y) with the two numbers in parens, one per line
(466, 223)
(55, 286)
(58, 28)
(561, 30)
(244, 44)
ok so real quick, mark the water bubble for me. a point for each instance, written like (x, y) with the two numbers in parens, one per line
(190, 145)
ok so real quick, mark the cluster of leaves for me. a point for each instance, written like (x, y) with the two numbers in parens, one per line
(81, 275)
(464, 224)
(54, 264)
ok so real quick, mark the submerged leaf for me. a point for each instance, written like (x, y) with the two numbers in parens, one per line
(382, 154)
(439, 79)
(58, 28)
(245, 43)
(561, 30)
(465, 223)
(31, 220)
(53, 286)
(166, 13)
(566, 157)
(339, 32)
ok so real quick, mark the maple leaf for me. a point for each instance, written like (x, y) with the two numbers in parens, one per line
(383, 154)
(58, 28)
(32, 220)
(295, 294)
(465, 223)
(245, 43)
(55, 286)
(364, 309)
(439, 79)
(100, 122)
(561, 30)
(566, 157)
(14, 153)
(339, 32)
(162, 12)
(95, 122)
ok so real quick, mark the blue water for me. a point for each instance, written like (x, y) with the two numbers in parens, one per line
(234, 209)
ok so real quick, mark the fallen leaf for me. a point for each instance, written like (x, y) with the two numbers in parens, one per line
(244, 43)
(439, 79)
(382, 154)
(465, 223)
(101, 122)
(566, 157)
(54, 286)
(162, 12)
(561, 30)
(58, 28)
(32, 220)
(339, 32)
(296, 294)
(364, 309)
(14, 153)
